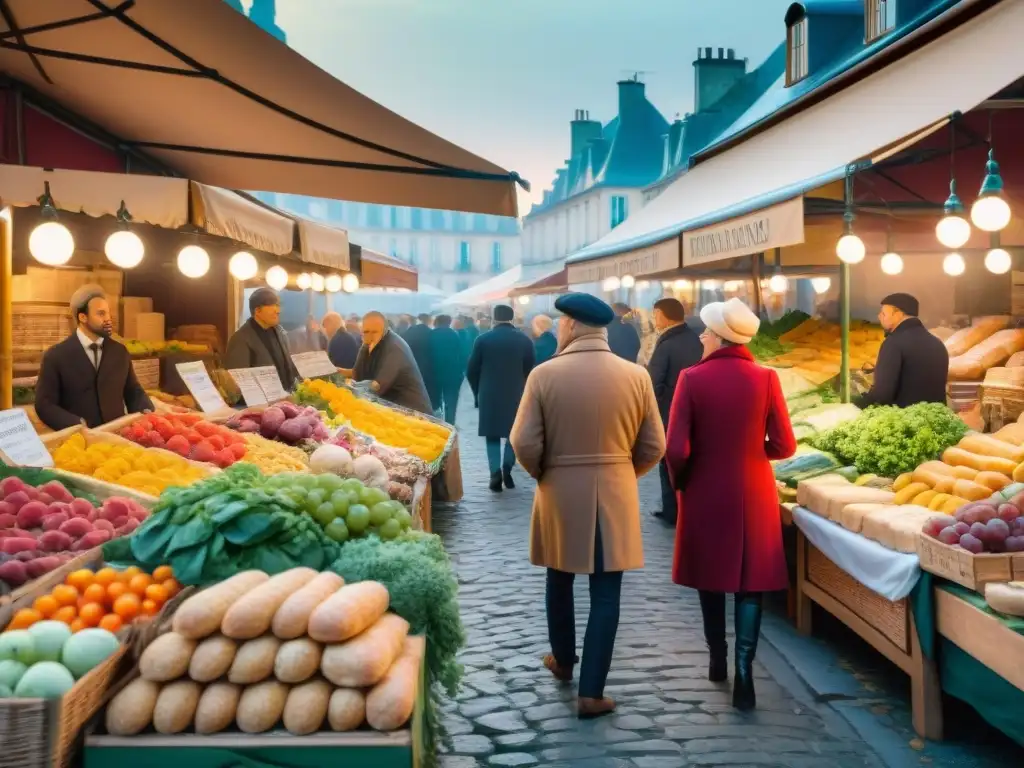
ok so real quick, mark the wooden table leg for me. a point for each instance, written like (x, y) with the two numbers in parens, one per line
(803, 603)
(925, 689)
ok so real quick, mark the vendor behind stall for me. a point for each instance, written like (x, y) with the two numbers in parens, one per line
(386, 361)
(88, 378)
(912, 363)
(260, 341)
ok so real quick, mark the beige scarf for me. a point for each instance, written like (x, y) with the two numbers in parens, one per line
(581, 331)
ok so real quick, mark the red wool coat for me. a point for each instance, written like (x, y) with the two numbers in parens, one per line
(728, 534)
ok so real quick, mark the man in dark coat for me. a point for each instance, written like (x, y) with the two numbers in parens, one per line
(386, 361)
(88, 377)
(497, 369)
(469, 333)
(912, 364)
(623, 337)
(418, 338)
(343, 348)
(261, 342)
(448, 365)
(678, 347)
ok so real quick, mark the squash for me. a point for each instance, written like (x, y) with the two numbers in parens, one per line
(390, 703)
(166, 658)
(938, 501)
(924, 498)
(902, 481)
(216, 709)
(966, 489)
(959, 457)
(1011, 433)
(176, 706)
(131, 710)
(986, 445)
(1018, 474)
(366, 658)
(909, 492)
(994, 480)
(932, 478)
(953, 503)
(305, 709)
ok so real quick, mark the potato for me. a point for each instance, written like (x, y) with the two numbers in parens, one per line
(292, 617)
(348, 612)
(212, 658)
(217, 706)
(166, 658)
(306, 707)
(346, 710)
(201, 614)
(390, 703)
(251, 614)
(176, 706)
(297, 660)
(254, 660)
(131, 710)
(366, 658)
(261, 706)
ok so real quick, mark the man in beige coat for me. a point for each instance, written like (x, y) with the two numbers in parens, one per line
(587, 427)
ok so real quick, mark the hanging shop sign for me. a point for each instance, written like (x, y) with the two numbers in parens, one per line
(642, 261)
(774, 227)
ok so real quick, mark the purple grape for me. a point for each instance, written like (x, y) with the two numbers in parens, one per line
(1008, 512)
(972, 544)
(1015, 544)
(949, 535)
(962, 528)
(996, 530)
(979, 531)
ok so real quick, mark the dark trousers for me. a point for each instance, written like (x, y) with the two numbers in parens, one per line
(712, 606)
(602, 624)
(495, 461)
(450, 400)
(669, 508)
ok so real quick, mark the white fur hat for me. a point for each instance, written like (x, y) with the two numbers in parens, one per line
(732, 320)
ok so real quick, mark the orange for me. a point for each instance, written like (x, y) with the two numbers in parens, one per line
(67, 614)
(106, 576)
(163, 573)
(172, 586)
(46, 605)
(65, 594)
(157, 593)
(77, 625)
(149, 608)
(115, 590)
(95, 593)
(139, 583)
(80, 579)
(127, 606)
(129, 573)
(91, 613)
(25, 618)
(111, 622)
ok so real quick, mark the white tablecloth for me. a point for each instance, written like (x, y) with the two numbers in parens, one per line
(889, 573)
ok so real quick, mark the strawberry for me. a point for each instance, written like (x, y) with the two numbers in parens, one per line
(225, 458)
(238, 450)
(179, 445)
(203, 451)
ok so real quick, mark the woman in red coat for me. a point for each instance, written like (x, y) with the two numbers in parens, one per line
(727, 422)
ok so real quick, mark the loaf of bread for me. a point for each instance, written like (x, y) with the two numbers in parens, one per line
(966, 338)
(852, 516)
(994, 350)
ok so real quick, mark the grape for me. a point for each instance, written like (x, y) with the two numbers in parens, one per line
(390, 529)
(328, 482)
(1008, 512)
(996, 530)
(935, 525)
(337, 530)
(352, 484)
(358, 518)
(1015, 544)
(985, 513)
(996, 545)
(972, 544)
(979, 531)
(962, 528)
(324, 514)
(949, 536)
(1018, 526)
(340, 501)
(404, 518)
(380, 513)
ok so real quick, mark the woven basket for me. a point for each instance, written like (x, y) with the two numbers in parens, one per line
(147, 372)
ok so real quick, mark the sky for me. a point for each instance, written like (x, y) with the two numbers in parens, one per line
(502, 78)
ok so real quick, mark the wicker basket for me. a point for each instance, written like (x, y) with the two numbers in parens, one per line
(147, 372)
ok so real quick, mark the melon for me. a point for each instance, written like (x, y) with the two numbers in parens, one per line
(87, 649)
(45, 680)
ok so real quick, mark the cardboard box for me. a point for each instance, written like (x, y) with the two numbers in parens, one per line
(131, 308)
(149, 326)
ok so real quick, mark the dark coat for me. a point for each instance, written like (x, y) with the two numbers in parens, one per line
(501, 360)
(70, 388)
(446, 357)
(343, 349)
(393, 367)
(676, 350)
(544, 347)
(418, 339)
(468, 335)
(247, 350)
(624, 339)
(912, 368)
(728, 423)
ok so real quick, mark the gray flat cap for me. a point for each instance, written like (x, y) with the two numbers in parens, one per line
(83, 296)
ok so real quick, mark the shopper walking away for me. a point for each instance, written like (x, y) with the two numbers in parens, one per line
(448, 365)
(418, 339)
(469, 333)
(622, 335)
(728, 420)
(587, 428)
(912, 363)
(501, 360)
(677, 348)
(544, 341)
(386, 362)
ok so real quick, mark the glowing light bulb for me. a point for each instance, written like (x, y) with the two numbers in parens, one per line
(277, 278)
(892, 263)
(303, 281)
(953, 265)
(124, 249)
(350, 283)
(991, 213)
(628, 281)
(317, 282)
(998, 261)
(193, 261)
(778, 284)
(243, 266)
(524, 300)
(850, 249)
(333, 283)
(51, 244)
(953, 231)
(821, 284)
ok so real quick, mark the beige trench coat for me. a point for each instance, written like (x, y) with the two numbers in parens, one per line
(587, 428)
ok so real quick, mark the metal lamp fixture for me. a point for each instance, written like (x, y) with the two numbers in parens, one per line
(51, 242)
(850, 248)
(892, 262)
(123, 247)
(953, 230)
(990, 211)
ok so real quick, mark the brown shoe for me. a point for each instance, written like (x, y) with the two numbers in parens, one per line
(590, 708)
(561, 673)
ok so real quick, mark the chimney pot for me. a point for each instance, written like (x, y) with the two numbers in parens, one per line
(732, 53)
(721, 53)
(707, 53)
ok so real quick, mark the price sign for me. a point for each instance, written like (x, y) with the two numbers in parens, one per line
(251, 391)
(19, 441)
(197, 379)
(269, 382)
(313, 364)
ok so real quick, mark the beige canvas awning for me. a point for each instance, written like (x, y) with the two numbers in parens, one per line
(197, 86)
(226, 214)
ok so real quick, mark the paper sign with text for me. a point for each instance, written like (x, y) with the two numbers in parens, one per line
(313, 364)
(197, 379)
(19, 441)
(270, 383)
(251, 390)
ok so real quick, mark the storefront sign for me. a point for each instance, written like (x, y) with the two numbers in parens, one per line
(19, 441)
(313, 364)
(774, 227)
(197, 379)
(642, 261)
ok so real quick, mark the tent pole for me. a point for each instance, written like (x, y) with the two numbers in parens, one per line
(844, 329)
(6, 312)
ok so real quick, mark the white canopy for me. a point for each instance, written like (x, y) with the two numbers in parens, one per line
(908, 98)
(494, 289)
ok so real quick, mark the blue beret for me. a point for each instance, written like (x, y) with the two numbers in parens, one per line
(588, 309)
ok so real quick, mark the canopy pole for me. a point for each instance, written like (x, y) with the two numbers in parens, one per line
(844, 331)
(755, 273)
(6, 311)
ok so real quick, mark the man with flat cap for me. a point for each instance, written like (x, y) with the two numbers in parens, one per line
(88, 378)
(588, 427)
(912, 364)
(501, 360)
(261, 342)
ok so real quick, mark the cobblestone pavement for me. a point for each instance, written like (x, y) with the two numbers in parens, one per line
(512, 713)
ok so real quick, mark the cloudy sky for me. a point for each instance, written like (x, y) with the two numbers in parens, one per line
(502, 77)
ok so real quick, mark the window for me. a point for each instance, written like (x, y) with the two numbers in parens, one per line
(416, 218)
(465, 261)
(496, 257)
(393, 247)
(881, 18)
(437, 220)
(414, 252)
(619, 211)
(373, 216)
(393, 217)
(435, 256)
(796, 40)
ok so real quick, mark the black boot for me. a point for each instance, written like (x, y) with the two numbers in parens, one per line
(712, 608)
(507, 477)
(496, 481)
(748, 629)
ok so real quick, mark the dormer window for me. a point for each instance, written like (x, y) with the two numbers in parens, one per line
(796, 44)
(880, 18)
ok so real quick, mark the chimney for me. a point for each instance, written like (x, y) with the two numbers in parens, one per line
(581, 130)
(714, 76)
(631, 95)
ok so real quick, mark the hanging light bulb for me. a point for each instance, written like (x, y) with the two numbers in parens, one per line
(732, 285)
(892, 263)
(277, 277)
(51, 242)
(953, 230)
(303, 281)
(778, 283)
(643, 285)
(821, 284)
(953, 265)
(243, 266)
(850, 249)
(628, 281)
(613, 283)
(350, 283)
(998, 261)
(333, 283)
(317, 282)
(193, 261)
(524, 300)
(990, 211)
(681, 285)
(124, 248)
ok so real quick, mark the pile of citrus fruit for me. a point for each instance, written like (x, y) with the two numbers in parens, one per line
(107, 598)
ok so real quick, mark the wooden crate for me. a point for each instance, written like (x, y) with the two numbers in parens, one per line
(147, 372)
(967, 569)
